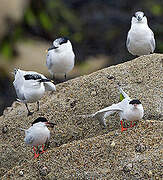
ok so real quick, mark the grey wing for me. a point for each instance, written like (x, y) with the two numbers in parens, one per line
(49, 61)
(127, 41)
(49, 86)
(29, 139)
(152, 42)
(103, 113)
(18, 84)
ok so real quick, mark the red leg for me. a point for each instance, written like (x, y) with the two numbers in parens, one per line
(131, 124)
(122, 128)
(42, 149)
(135, 122)
(35, 154)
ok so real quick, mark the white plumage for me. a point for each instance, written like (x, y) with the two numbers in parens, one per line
(38, 134)
(60, 57)
(140, 39)
(30, 86)
(128, 109)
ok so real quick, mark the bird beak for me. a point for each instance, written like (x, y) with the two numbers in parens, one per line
(139, 18)
(50, 124)
(53, 47)
(44, 80)
(135, 105)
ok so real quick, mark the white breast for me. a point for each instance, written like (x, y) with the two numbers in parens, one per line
(37, 135)
(140, 37)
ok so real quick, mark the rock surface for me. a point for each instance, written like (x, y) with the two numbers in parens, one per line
(79, 147)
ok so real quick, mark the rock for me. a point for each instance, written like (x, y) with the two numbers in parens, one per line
(112, 144)
(93, 93)
(43, 171)
(79, 145)
(150, 173)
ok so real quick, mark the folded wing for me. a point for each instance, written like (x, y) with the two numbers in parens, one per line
(49, 86)
(18, 84)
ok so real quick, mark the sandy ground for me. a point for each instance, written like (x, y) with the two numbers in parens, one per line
(79, 147)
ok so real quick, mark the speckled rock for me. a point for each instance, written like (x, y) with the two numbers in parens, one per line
(79, 147)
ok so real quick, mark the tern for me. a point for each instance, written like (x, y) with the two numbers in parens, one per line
(30, 87)
(60, 58)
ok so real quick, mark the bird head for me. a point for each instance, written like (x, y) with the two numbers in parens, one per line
(135, 103)
(15, 71)
(139, 15)
(61, 44)
(139, 18)
(43, 121)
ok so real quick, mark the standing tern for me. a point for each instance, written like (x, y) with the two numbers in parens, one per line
(38, 134)
(30, 87)
(60, 57)
(140, 38)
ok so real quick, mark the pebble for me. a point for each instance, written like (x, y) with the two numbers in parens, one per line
(140, 148)
(21, 173)
(150, 173)
(73, 103)
(93, 93)
(126, 169)
(5, 129)
(44, 171)
(112, 144)
(110, 77)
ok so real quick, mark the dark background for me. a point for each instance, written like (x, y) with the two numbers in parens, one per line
(95, 27)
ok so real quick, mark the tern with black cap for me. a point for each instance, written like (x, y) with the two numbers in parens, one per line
(128, 109)
(30, 87)
(140, 38)
(60, 58)
(38, 134)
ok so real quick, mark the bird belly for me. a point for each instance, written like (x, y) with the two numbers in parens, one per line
(140, 47)
(63, 63)
(132, 115)
(40, 136)
(140, 43)
(39, 140)
(34, 94)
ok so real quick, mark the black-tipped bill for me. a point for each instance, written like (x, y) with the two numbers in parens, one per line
(50, 124)
(53, 47)
(139, 15)
(45, 80)
(139, 18)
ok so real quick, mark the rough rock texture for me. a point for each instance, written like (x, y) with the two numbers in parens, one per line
(79, 147)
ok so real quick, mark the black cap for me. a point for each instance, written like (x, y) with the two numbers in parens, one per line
(135, 101)
(39, 119)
